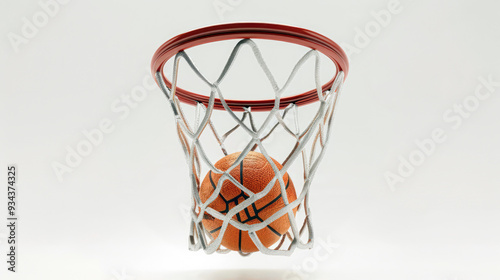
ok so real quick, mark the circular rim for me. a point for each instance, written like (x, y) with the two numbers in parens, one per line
(268, 31)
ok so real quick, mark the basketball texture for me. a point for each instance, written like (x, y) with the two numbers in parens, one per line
(254, 173)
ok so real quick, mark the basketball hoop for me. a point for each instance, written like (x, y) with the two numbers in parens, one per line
(309, 143)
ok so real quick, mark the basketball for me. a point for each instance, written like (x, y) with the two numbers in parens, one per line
(254, 173)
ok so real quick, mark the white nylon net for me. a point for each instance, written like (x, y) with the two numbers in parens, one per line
(306, 151)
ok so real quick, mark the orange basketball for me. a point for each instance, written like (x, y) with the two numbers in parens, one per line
(254, 173)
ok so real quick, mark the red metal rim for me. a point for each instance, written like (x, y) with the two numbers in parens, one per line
(268, 31)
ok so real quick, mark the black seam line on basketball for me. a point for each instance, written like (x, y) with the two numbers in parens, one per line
(211, 181)
(238, 214)
(273, 230)
(274, 200)
(215, 230)
(269, 227)
(255, 209)
(241, 172)
(247, 212)
(243, 193)
(228, 202)
(234, 199)
(220, 195)
(238, 218)
(227, 206)
(214, 186)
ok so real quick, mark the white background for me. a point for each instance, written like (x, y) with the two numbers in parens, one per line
(119, 213)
